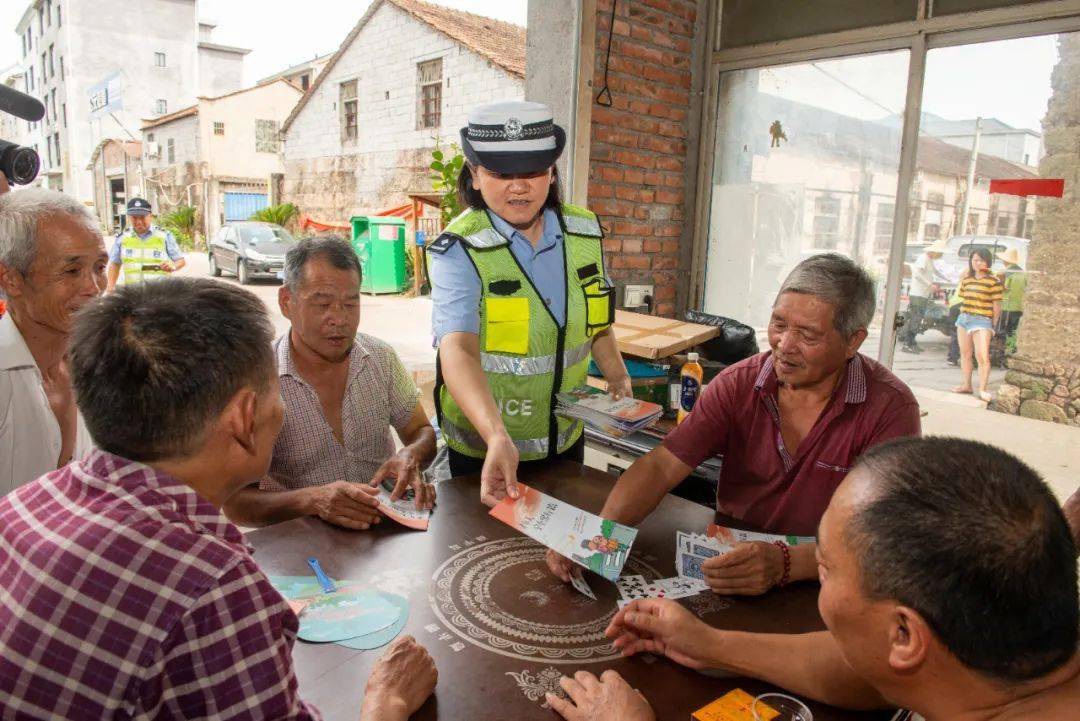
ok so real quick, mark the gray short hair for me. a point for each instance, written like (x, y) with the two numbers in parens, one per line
(154, 364)
(21, 213)
(839, 281)
(336, 251)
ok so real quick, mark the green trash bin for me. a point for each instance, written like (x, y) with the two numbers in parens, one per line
(379, 242)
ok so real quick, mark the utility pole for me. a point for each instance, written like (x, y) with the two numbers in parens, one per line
(970, 177)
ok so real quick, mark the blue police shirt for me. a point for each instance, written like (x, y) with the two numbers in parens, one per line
(172, 248)
(456, 288)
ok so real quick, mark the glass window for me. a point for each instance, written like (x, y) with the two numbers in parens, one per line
(161, 107)
(806, 160)
(159, 60)
(256, 235)
(429, 93)
(267, 136)
(347, 92)
(171, 149)
(219, 128)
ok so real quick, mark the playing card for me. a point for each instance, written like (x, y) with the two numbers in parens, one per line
(689, 566)
(631, 587)
(676, 587)
(580, 584)
(706, 550)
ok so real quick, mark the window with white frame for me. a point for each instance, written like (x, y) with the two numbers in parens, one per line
(429, 93)
(159, 60)
(161, 107)
(349, 107)
(826, 222)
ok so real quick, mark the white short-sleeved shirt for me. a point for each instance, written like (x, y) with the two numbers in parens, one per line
(30, 437)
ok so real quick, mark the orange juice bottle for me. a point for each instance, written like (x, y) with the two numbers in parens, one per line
(690, 385)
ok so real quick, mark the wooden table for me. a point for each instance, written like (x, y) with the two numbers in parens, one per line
(500, 628)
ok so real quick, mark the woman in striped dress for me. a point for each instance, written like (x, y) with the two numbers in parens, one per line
(980, 294)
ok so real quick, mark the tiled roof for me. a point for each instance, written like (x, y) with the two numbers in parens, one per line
(500, 42)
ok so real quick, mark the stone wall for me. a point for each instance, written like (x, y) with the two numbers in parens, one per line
(1044, 377)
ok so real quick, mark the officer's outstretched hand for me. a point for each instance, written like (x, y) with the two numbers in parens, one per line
(498, 479)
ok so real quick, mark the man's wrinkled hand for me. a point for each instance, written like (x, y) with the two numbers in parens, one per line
(405, 471)
(662, 627)
(498, 479)
(345, 504)
(560, 566)
(400, 682)
(750, 569)
(608, 698)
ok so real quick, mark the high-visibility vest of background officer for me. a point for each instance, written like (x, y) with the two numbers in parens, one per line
(521, 302)
(144, 251)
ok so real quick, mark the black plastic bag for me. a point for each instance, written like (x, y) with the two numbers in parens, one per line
(735, 342)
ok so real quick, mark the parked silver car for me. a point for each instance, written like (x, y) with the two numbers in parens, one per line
(250, 249)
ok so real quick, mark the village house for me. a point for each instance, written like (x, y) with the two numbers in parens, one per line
(402, 82)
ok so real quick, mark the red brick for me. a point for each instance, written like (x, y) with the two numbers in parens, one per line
(601, 190)
(664, 293)
(637, 50)
(612, 174)
(636, 262)
(664, 277)
(673, 181)
(683, 44)
(673, 97)
(665, 262)
(622, 138)
(668, 196)
(634, 158)
(671, 130)
(666, 310)
(671, 77)
(675, 164)
(633, 175)
(621, 28)
(612, 245)
(654, 178)
(663, 145)
(670, 246)
(623, 227)
(632, 245)
(668, 230)
(653, 246)
(612, 208)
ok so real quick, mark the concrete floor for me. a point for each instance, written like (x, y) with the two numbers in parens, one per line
(1053, 450)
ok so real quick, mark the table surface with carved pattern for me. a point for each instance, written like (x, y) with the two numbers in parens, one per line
(501, 629)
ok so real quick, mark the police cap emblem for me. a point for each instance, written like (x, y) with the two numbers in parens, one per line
(513, 129)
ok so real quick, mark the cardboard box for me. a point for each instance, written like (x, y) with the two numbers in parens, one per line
(647, 336)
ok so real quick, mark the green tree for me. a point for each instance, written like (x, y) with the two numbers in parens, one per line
(280, 214)
(445, 170)
(182, 223)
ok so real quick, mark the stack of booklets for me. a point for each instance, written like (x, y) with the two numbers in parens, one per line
(602, 412)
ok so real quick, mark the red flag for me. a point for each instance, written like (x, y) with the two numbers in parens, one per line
(1046, 187)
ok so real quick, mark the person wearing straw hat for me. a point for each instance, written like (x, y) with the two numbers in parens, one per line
(1015, 280)
(520, 302)
(925, 276)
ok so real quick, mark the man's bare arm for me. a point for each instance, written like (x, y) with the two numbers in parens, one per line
(643, 485)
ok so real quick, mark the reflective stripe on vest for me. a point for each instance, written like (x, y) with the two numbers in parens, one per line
(538, 365)
(527, 446)
(136, 252)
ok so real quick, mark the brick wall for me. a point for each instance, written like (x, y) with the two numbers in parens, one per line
(640, 165)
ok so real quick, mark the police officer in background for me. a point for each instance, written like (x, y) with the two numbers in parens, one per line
(144, 250)
(520, 302)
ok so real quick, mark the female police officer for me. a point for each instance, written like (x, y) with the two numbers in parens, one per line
(520, 301)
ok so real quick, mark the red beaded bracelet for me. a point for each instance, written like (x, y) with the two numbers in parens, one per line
(784, 579)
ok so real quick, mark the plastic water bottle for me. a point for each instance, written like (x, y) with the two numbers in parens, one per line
(689, 385)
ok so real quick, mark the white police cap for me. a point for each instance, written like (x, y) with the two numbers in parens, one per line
(514, 136)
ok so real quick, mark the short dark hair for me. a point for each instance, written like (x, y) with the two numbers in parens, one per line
(971, 538)
(470, 197)
(154, 363)
(333, 249)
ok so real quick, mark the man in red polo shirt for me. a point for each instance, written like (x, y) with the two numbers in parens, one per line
(789, 424)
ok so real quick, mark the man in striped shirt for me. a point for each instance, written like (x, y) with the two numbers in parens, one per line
(124, 592)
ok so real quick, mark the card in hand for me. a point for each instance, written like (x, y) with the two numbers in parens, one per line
(579, 583)
(690, 566)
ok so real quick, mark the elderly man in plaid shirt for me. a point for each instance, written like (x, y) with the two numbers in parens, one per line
(343, 392)
(126, 594)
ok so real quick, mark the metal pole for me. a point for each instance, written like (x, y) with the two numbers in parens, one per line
(970, 178)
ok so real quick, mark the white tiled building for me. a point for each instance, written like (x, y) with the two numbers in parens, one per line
(100, 66)
(405, 77)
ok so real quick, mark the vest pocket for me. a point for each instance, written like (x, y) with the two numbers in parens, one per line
(599, 306)
(506, 325)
